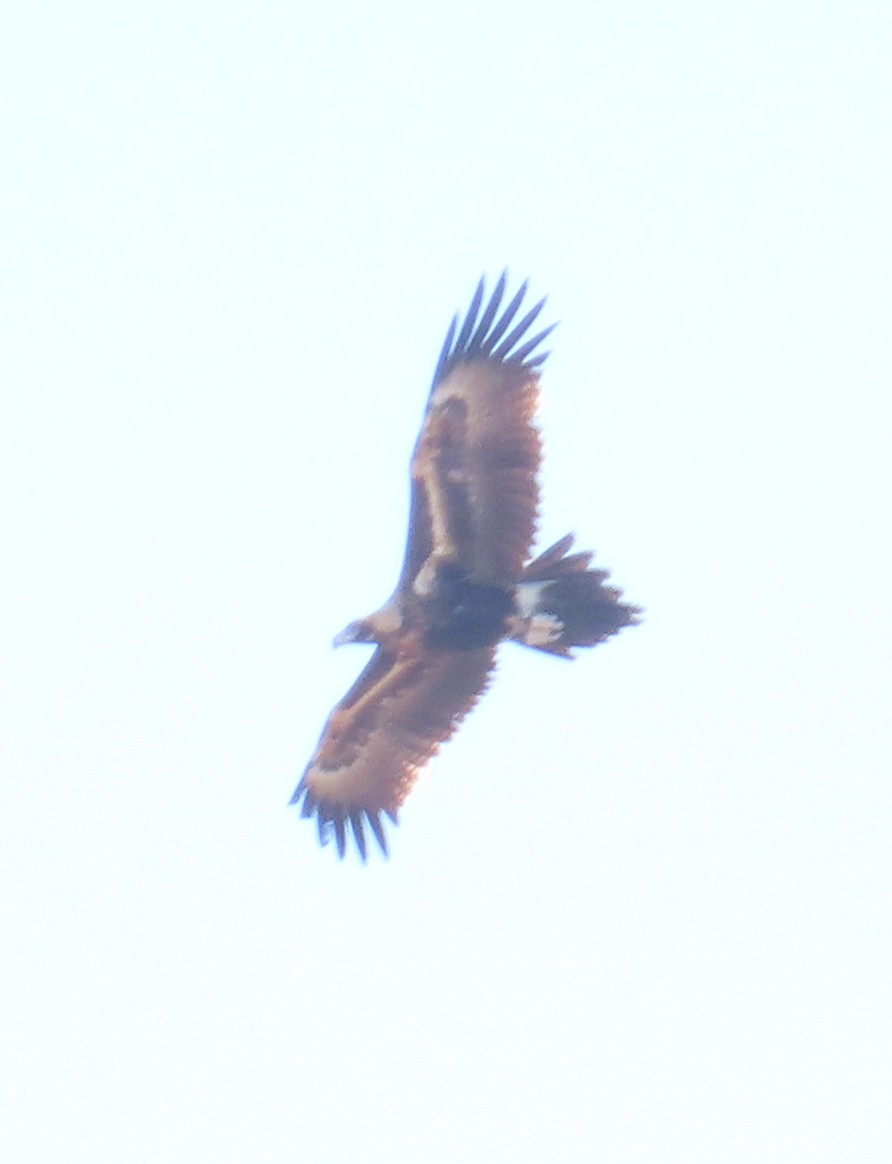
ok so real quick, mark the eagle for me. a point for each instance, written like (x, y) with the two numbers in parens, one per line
(467, 583)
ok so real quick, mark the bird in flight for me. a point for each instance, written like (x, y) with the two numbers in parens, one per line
(467, 582)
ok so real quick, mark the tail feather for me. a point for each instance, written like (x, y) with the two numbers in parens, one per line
(561, 603)
(555, 560)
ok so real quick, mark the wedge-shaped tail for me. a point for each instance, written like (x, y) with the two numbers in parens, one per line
(561, 603)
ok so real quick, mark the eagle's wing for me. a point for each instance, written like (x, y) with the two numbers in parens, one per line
(391, 721)
(474, 488)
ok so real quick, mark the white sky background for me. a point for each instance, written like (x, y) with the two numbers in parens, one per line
(639, 909)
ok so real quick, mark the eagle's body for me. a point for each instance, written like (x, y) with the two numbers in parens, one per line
(467, 582)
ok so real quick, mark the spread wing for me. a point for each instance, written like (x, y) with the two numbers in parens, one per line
(474, 488)
(392, 720)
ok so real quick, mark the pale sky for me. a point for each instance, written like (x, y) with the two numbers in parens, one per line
(638, 910)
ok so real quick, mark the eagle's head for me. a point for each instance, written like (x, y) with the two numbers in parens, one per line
(379, 627)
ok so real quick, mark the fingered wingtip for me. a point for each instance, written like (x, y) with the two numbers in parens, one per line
(333, 825)
(487, 335)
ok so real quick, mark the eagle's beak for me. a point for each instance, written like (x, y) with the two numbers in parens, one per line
(354, 633)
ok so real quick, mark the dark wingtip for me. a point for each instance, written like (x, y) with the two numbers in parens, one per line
(375, 822)
(340, 835)
(520, 354)
(504, 350)
(322, 828)
(358, 834)
(480, 337)
(471, 318)
(334, 826)
(308, 807)
(445, 351)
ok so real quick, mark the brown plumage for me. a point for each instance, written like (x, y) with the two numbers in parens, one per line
(466, 583)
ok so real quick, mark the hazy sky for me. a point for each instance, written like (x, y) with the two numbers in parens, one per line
(638, 911)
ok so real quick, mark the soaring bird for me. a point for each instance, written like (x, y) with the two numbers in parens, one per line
(467, 582)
